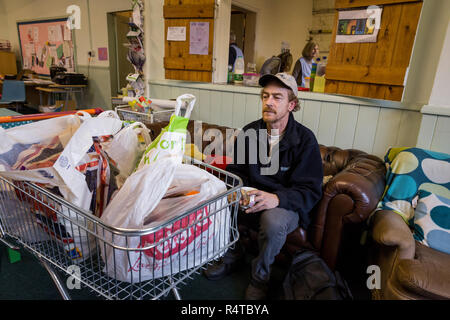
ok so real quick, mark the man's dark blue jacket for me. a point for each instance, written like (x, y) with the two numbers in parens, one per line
(297, 180)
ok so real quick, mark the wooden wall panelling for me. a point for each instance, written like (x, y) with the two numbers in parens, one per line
(375, 70)
(409, 20)
(179, 64)
(347, 4)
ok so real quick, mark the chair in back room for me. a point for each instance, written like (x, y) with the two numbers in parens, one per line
(13, 93)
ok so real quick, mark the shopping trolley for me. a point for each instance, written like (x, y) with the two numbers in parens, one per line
(127, 114)
(39, 221)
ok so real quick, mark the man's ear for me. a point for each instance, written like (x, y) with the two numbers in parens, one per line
(292, 105)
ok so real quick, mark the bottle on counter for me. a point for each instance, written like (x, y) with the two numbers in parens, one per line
(313, 75)
(239, 69)
(230, 74)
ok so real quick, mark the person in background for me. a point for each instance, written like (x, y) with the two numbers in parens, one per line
(303, 65)
(283, 198)
(234, 50)
(280, 63)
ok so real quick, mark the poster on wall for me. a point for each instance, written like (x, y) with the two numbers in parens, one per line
(199, 38)
(45, 43)
(357, 26)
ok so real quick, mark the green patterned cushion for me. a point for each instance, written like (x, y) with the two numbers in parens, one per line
(410, 170)
(432, 221)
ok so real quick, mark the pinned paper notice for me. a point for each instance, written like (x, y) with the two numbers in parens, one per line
(67, 34)
(176, 34)
(199, 38)
(36, 34)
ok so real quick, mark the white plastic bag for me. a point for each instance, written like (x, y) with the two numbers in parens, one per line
(50, 153)
(188, 241)
(126, 149)
(172, 139)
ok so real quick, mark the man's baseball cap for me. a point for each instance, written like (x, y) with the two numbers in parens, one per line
(285, 79)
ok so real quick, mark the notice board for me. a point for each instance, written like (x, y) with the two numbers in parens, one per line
(46, 42)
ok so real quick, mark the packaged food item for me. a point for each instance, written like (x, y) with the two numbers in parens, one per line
(248, 201)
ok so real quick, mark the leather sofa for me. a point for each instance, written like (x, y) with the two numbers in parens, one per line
(356, 183)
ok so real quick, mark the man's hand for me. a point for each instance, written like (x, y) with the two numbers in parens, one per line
(263, 201)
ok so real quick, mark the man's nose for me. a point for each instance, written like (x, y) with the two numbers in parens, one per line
(270, 100)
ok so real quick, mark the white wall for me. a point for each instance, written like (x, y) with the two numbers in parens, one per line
(19, 10)
(440, 94)
(92, 35)
(433, 24)
(154, 39)
(3, 23)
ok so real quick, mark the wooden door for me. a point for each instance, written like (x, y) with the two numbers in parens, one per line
(179, 64)
(375, 70)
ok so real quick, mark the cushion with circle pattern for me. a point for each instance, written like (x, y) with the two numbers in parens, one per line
(432, 221)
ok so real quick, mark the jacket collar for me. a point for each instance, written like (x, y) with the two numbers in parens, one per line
(291, 137)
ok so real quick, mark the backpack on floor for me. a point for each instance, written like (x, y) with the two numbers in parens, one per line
(310, 278)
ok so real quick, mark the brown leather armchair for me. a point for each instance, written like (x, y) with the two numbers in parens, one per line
(351, 194)
(409, 269)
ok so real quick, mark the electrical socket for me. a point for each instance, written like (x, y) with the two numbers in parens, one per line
(91, 54)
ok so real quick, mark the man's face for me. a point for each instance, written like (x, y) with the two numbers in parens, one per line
(275, 103)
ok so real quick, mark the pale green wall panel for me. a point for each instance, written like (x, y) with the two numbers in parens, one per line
(311, 115)
(408, 133)
(328, 123)
(98, 91)
(366, 128)
(387, 130)
(426, 133)
(346, 125)
(238, 110)
(441, 137)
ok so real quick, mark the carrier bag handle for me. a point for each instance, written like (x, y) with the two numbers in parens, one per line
(187, 100)
(109, 114)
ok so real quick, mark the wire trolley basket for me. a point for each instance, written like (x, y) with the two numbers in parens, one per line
(125, 113)
(158, 260)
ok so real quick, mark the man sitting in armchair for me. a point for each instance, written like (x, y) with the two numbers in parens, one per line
(288, 180)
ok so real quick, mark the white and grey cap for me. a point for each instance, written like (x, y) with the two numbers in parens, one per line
(286, 80)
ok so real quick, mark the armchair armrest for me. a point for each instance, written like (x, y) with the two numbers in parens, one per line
(363, 180)
(389, 229)
(349, 197)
